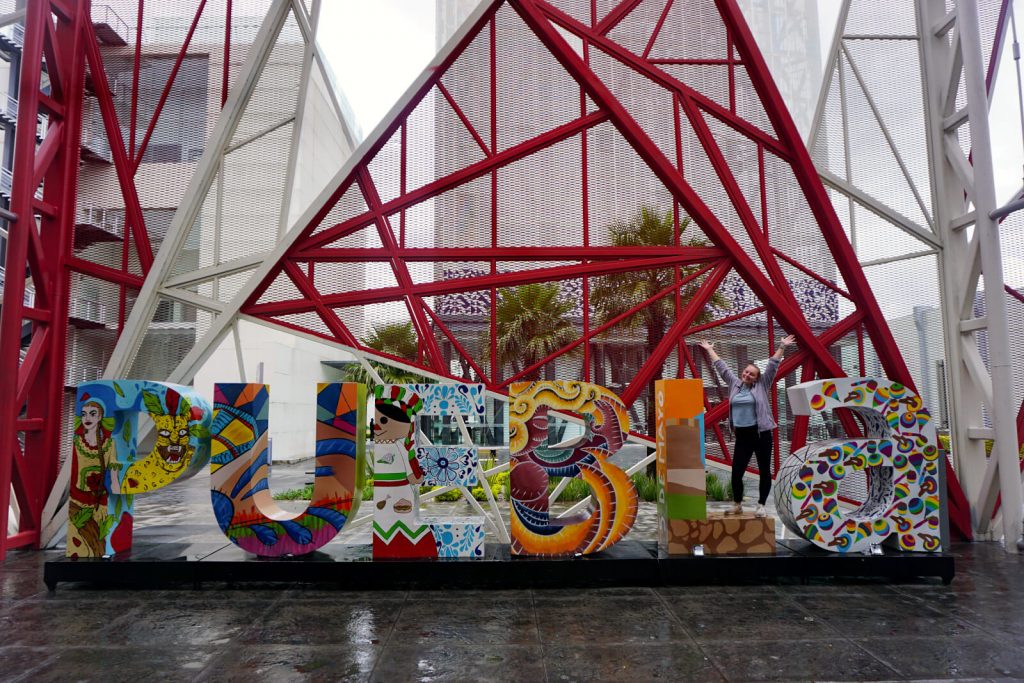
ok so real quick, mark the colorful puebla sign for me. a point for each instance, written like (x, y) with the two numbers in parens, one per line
(899, 455)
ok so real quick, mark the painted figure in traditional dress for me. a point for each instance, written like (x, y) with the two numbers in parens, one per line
(93, 451)
(397, 528)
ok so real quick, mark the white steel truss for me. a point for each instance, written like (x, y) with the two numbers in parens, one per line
(956, 219)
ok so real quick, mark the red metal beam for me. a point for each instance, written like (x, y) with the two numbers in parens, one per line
(789, 316)
(458, 346)
(33, 406)
(123, 166)
(662, 78)
(685, 319)
(412, 301)
(462, 117)
(590, 335)
(530, 254)
(329, 317)
(449, 182)
(817, 199)
(425, 289)
(167, 88)
(613, 18)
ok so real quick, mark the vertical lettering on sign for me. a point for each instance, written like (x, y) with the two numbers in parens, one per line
(682, 494)
(899, 455)
(240, 469)
(106, 468)
(401, 466)
(606, 425)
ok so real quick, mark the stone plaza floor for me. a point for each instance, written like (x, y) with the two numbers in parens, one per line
(850, 630)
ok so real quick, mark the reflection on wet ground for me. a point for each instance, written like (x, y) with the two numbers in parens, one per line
(850, 630)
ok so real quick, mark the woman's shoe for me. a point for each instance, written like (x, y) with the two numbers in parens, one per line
(735, 509)
(760, 511)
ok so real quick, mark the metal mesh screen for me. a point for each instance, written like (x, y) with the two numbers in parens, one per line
(528, 227)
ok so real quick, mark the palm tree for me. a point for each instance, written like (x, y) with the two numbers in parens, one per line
(533, 322)
(616, 293)
(396, 339)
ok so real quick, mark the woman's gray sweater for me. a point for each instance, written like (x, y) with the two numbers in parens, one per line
(762, 402)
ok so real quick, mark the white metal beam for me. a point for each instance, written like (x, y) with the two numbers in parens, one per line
(880, 209)
(138, 321)
(185, 217)
(951, 55)
(887, 135)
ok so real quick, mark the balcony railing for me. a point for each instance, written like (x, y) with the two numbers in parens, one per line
(109, 27)
(6, 182)
(77, 374)
(93, 226)
(12, 36)
(86, 310)
(9, 109)
(28, 298)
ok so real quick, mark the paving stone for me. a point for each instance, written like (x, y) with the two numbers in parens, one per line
(486, 660)
(678, 661)
(509, 621)
(345, 621)
(293, 663)
(841, 629)
(616, 621)
(728, 617)
(790, 660)
(942, 657)
(103, 664)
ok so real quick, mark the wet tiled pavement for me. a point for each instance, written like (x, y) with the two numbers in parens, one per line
(854, 630)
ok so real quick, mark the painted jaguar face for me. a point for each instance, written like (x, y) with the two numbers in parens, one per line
(172, 441)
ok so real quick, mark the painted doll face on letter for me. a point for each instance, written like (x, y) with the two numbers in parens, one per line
(390, 423)
(92, 414)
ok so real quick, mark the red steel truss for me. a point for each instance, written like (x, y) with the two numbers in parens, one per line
(374, 203)
(62, 66)
(702, 99)
(38, 248)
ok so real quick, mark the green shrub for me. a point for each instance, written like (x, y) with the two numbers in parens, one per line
(498, 482)
(305, 493)
(448, 496)
(646, 487)
(716, 488)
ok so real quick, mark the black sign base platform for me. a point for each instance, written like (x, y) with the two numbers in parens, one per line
(632, 563)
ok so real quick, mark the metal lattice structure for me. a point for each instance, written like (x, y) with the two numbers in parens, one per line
(128, 98)
(632, 162)
(470, 190)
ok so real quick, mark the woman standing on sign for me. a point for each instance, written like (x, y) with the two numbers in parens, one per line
(751, 415)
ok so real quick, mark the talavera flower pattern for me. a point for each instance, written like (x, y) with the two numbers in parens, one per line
(448, 465)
